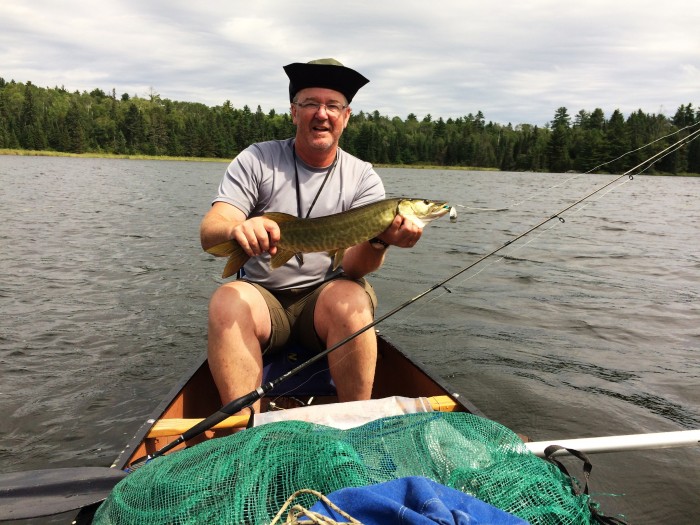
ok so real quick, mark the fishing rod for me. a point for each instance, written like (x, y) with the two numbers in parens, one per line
(39, 493)
(248, 399)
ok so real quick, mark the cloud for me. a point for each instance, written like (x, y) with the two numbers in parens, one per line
(515, 61)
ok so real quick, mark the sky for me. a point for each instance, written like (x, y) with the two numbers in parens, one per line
(516, 61)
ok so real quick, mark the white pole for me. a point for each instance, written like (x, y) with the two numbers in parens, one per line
(682, 438)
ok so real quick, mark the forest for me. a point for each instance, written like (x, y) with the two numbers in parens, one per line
(54, 119)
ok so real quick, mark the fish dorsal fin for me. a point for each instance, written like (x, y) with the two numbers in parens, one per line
(281, 257)
(280, 217)
(337, 256)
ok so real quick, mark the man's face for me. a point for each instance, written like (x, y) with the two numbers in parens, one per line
(319, 128)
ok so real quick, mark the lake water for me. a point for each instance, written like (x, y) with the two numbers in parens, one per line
(587, 327)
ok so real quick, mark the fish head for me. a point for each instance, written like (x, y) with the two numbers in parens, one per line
(422, 211)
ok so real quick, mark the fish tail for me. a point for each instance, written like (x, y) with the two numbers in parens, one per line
(224, 249)
(236, 256)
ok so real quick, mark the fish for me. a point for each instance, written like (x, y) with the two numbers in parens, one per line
(333, 233)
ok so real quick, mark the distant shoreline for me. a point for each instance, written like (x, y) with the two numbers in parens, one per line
(35, 153)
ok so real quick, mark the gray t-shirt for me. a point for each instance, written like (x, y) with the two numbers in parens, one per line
(262, 179)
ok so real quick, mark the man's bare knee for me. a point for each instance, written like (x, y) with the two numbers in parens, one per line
(342, 305)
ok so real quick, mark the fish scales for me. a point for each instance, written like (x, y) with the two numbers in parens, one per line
(341, 230)
(332, 233)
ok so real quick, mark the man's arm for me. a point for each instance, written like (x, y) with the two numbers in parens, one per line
(224, 222)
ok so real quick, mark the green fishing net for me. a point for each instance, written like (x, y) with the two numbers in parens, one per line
(247, 477)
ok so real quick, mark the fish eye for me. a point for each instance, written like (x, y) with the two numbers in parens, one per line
(426, 201)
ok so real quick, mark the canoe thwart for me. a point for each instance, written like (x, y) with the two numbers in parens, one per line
(177, 426)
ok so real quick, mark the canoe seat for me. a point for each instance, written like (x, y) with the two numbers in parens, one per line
(314, 380)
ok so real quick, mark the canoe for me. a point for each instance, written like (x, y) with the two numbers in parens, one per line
(458, 447)
(195, 397)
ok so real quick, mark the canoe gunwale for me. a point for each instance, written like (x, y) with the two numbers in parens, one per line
(122, 459)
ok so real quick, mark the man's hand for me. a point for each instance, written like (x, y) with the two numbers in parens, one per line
(402, 232)
(257, 235)
(224, 222)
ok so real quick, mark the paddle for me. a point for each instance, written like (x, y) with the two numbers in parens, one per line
(37, 493)
(681, 438)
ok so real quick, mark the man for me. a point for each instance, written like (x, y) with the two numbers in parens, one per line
(306, 176)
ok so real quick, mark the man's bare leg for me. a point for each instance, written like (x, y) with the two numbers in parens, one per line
(239, 326)
(342, 309)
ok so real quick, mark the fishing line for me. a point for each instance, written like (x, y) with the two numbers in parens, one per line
(610, 186)
(646, 145)
(575, 176)
(690, 138)
(516, 249)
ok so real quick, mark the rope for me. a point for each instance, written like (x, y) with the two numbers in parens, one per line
(298, 511)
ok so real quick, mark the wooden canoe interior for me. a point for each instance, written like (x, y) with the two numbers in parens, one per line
(396, 375)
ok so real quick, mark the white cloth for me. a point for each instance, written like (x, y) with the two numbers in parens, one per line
(348, 415)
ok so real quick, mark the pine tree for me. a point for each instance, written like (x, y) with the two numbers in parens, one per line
(558, 158)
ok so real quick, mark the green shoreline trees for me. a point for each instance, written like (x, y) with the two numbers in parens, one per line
(53, 119)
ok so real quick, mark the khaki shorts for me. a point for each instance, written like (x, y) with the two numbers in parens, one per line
(292, 313)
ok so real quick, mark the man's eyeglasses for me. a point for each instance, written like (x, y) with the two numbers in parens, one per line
(333, 108)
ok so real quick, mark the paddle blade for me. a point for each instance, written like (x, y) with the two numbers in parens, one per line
(36, 493)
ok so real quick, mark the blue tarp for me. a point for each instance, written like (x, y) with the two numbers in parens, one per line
(414, 501)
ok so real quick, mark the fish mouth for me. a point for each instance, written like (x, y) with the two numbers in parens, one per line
(440, 207)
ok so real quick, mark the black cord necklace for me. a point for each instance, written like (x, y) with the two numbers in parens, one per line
(331, 168)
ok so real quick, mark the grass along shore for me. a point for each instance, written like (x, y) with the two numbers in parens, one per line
(36, 153)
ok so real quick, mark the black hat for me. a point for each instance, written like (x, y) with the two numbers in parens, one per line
(324, 73)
